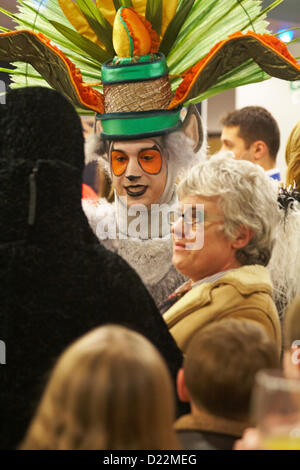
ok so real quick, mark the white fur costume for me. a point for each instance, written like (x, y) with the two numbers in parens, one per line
(284, 265)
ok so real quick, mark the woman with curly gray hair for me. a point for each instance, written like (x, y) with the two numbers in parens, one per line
(223, 236)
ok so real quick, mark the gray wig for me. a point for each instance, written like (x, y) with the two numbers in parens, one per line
(247, 196)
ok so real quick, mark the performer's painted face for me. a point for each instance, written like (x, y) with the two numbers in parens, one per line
(139, 170)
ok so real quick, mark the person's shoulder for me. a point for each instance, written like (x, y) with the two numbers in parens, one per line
(246, 290)
(247, 279)
(194, 440)
(239, 283)
(227, 291)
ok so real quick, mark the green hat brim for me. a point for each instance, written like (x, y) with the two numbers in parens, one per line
(137, 125)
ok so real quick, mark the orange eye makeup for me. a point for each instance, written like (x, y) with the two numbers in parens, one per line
(150, 160)
(119, 162)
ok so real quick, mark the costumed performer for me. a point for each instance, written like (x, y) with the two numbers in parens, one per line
(136, 101)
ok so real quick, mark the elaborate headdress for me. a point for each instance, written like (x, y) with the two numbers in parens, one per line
(154, 55)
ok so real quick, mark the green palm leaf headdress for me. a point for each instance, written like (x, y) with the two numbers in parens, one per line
(153, 55)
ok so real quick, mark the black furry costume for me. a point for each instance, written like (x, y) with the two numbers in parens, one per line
(57, 281)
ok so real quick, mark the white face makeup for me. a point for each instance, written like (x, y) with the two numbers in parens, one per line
(139, 171)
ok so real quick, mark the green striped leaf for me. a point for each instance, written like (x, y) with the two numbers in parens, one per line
(83, 43)
(43, 25)
(248, 72)
(122, 3)
(7, 13)
(29, 16)
(17, 72)
(30, 74)
(15, 18)
(117, 4)
(209, 22)
(98, 23)
(154, 14)
(175, 26)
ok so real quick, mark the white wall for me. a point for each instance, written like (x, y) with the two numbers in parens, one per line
(217, 107)
(277, 97)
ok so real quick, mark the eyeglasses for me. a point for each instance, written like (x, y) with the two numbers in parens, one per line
(150, 160)
(193, 217)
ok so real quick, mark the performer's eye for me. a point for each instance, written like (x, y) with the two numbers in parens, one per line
(119, 162)
(121, 158)
(147, 158)
(150, 160)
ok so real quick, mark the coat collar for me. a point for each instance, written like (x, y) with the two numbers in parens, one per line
(246, 280)
(204, 421)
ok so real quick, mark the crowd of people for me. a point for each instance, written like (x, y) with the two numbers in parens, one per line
(59, 282)
(139, 313)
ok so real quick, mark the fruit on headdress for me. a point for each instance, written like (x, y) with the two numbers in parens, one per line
(133, 34)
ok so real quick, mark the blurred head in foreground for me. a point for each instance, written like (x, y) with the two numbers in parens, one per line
(109, 390)
(220, 367)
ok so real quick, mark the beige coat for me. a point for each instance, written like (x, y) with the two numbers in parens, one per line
(245, 293)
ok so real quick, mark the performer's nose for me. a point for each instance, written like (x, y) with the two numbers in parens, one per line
(132, 178)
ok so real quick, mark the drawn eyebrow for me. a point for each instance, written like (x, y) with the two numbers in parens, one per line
(118, 150)
(155, 147)
(150, 148)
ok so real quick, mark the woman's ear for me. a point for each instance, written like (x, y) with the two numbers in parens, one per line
(243, 237)
(192, 127)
